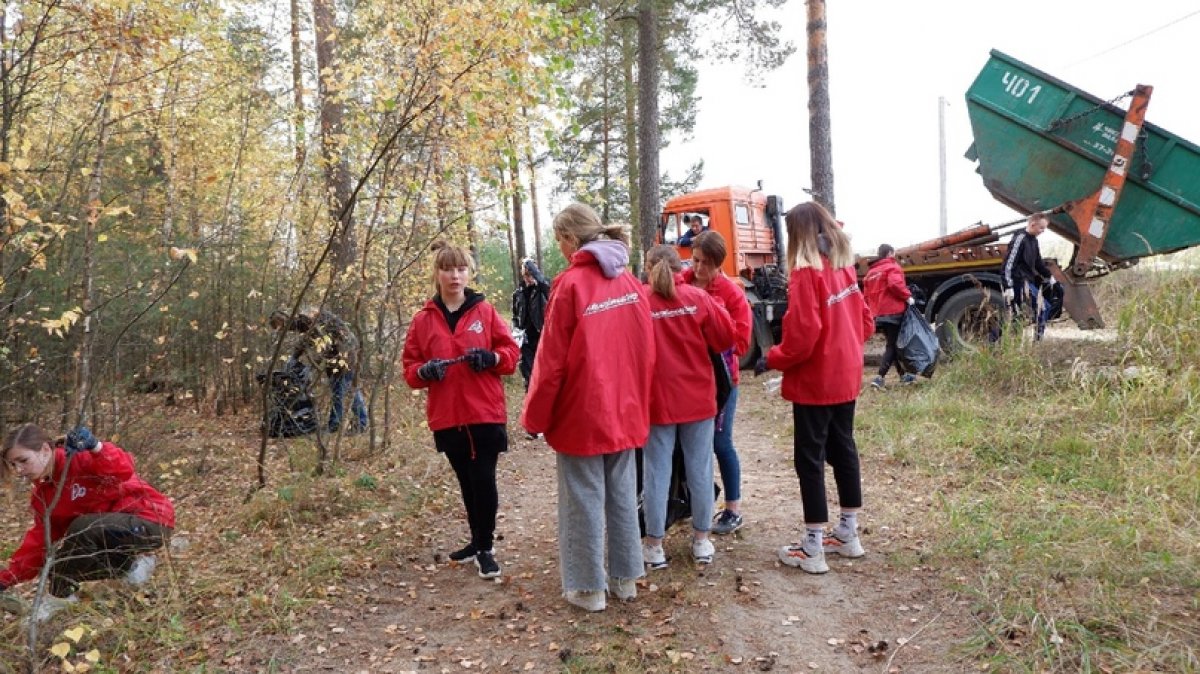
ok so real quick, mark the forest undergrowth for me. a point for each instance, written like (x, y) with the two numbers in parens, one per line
(1064, 478)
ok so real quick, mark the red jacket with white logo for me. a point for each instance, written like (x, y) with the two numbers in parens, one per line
(465, 396)
(590, 390)
(683, 389)
(96, 482)
(885, 289)
(826, 324)
(734, 297)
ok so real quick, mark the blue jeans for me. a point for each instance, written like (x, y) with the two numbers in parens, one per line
(727, 458)
(695, 438)
(339, 386)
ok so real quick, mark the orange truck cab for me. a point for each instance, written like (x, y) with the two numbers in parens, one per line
(750, 221)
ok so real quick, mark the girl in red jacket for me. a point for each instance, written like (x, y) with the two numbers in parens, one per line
(887, 296)
(590, 396)
(821, 357)
(458, 347)
(105, 521)
(708, 254)
(687, 324)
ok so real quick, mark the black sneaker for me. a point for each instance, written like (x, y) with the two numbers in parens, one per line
(465, 553)
(727, 522)
(485, 560)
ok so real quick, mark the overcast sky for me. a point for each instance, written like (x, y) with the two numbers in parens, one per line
(890, 61)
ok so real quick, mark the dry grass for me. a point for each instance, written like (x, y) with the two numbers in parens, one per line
(1072, 488)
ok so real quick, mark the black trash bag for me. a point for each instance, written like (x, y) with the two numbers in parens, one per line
(917, 345)
(1052, 301)
(290, 407)
(723, 378)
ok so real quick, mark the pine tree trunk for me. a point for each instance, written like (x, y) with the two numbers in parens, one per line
(469, 208)
(628, 59)
(648, 132)
(518, 218)
(533, 208)
(297, 87)
(819, 133)
(87, 293)
(333, 112)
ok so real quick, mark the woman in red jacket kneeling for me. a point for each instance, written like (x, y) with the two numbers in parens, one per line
(821, 357)
(458, 347)
(104, 520)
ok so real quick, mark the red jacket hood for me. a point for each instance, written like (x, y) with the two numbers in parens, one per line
(590, 389)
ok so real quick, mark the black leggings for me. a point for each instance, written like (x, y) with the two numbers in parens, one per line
(825, 433)
(100, 546)
(473, 451)
(891, 332)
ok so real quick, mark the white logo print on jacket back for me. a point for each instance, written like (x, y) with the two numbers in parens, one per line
(78, 491)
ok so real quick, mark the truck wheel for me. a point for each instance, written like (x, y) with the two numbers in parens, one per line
(970, 317)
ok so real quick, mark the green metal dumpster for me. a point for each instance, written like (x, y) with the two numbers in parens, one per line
(1041, 142)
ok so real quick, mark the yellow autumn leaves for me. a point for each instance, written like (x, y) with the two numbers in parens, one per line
(63, 650)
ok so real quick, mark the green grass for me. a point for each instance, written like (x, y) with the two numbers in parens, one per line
(1076, 487)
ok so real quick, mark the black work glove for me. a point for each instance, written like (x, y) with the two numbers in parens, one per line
(480, 359)
(760, 366)
(80, 440)
(434, 370)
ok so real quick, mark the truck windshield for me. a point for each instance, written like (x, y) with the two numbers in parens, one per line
(670, 232)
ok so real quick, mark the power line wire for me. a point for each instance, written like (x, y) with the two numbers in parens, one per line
(1133, 39)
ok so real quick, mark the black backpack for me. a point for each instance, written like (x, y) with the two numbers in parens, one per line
(290, 407)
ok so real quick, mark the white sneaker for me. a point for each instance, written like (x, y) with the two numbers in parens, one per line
(846, 546)
(141, 570)
(703, 550)
(624, 589)
(588, 600)
(654, 556)
(795, 555)
(51, 605)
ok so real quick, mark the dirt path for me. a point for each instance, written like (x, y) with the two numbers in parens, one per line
(746, 612)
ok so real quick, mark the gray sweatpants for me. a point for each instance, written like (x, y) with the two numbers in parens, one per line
(597, 500)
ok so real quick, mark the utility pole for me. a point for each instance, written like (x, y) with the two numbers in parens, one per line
(942, 164)
(820, 146)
